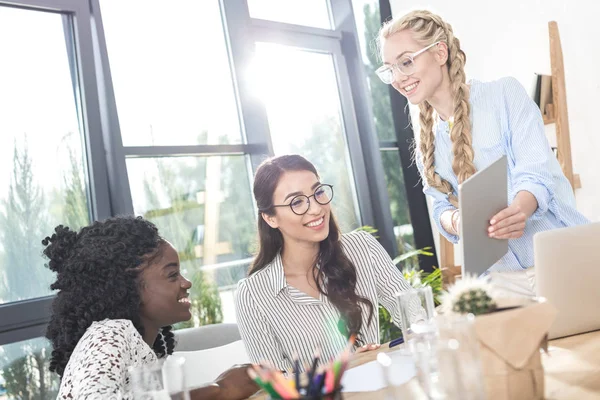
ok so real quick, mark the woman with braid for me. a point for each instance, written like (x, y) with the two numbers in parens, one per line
(465, 126)
(119, 290)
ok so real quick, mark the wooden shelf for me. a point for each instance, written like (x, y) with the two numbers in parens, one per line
(559, 101)
(576, 181)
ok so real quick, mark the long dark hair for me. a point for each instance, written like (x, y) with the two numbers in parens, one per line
(336, 275)
(97, 270)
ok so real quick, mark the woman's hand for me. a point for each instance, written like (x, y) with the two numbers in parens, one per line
(368, 347)
(450, 221)
(510, 222)
(235, 383)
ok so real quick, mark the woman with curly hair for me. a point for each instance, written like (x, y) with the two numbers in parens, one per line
(465, 126)
(310, 286)
(119, 291)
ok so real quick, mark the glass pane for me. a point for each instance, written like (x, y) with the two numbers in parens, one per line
(366, 14)
(313, 13)
(203, 205)
(43, 181)
(399, 205)
(308, 124)
(24, 371)
(171, 75)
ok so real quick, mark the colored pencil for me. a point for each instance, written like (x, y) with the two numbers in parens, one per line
(319, 380)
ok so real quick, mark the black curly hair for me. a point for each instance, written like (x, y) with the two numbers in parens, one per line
(97, 271)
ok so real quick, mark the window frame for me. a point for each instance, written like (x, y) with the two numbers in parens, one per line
(27, 319)
(109, 192)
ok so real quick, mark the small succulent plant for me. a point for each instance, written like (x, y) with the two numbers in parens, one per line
(474, 301)
(469, 295)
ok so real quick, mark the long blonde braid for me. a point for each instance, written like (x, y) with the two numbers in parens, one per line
(429, 28)
(427, 148)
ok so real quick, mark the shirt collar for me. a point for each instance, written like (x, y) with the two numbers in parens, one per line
(277, 277)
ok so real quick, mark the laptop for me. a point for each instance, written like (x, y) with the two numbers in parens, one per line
(567, 274)
(480, 197)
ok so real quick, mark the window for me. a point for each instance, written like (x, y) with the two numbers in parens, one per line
(179, 87)
(305, 117)
(52, 171)
(203, 206)
(174, 90)
(313, 13)
(366, 14)
(403, 230)
(170, 127)
(24, 371)
(43, 178)
(171, 74)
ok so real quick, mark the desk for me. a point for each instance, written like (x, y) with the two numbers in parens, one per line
(572, 367)
(572, 371)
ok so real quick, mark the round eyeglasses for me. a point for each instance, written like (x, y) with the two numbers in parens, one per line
(405, 64)
(300, 204)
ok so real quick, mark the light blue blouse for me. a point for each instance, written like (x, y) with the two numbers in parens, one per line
(506, 121)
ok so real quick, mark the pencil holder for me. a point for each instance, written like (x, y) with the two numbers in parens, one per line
(335, 395)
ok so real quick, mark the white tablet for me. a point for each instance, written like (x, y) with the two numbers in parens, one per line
(480, 197)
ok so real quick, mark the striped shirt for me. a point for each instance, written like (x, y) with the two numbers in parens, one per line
(277, 320)
(506, 121)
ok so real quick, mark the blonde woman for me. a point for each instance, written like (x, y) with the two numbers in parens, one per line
(465, 126)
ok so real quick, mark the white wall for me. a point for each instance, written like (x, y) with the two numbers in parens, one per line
(512, 39)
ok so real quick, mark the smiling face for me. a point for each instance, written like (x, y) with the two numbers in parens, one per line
(430, 68)
(164, 291)
(309, 228)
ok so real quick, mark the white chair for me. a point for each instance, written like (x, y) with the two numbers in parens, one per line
(206, 337)
(208, 351)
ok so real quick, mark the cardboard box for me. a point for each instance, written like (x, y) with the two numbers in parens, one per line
(509, 347)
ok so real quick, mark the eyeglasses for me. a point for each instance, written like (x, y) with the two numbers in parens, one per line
(405, 65)
(300, 204)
